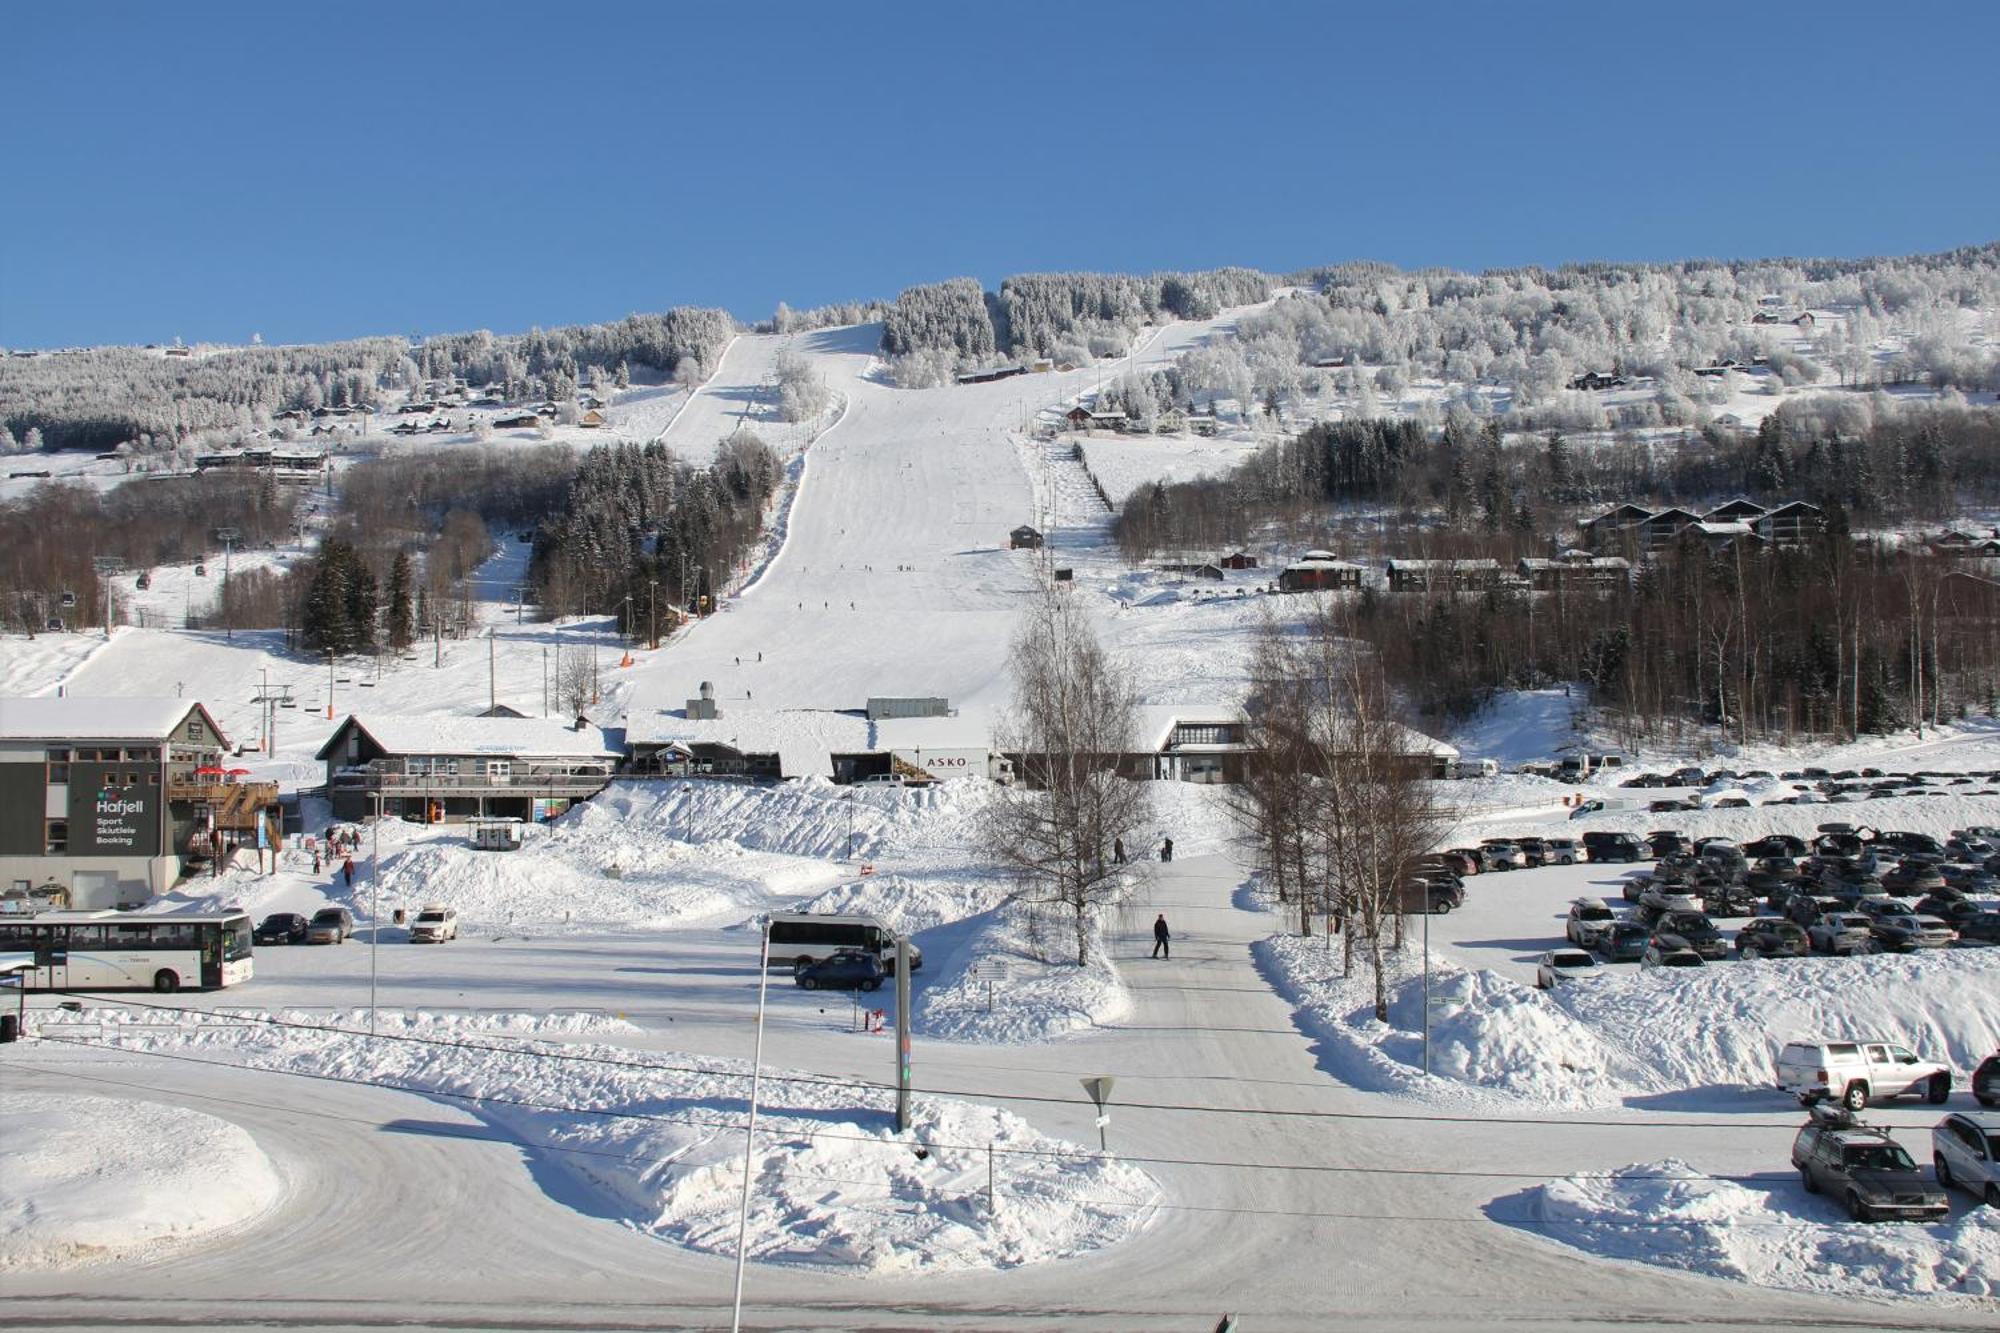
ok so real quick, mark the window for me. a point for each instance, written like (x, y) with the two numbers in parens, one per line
(59, 756)
(194, 729)
(58, 772)
(56, 840)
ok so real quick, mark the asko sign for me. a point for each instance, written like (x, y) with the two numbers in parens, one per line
(945, 762)
(109, 816)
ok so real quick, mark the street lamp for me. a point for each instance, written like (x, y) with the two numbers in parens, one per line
(687, 812)
(652, 613)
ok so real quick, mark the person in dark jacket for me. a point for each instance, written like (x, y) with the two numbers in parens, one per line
(1118, 851)
(1162, 938)
(1167, 849)
(347, 870)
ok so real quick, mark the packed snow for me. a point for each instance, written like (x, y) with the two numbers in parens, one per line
(1766, 1230)
(658, 1143)
(87, 1178)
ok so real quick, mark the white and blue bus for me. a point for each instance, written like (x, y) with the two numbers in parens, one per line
(88, 951)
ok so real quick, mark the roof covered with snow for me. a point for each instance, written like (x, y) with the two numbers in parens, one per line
(78, 718)
(526, 736)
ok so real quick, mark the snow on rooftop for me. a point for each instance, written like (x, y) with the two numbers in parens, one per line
(479, 735)
(76, 718)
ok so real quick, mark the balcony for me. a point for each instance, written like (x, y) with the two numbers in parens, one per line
(471, 784)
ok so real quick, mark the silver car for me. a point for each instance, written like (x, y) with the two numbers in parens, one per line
(1965, 1151)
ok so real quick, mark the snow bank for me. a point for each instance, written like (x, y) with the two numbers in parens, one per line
(1004, 987)
(1488, 1034)
(1630, 1033)
(1668, 1214)
(658, 1141)
(86, 1178)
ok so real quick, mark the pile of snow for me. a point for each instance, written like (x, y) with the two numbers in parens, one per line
(1012, 982)
(1631, 1033)
(1668, 1214)
(910, 904)
(86, 1178)
(659, 1142)
(1523, 726)
(1488, 1034)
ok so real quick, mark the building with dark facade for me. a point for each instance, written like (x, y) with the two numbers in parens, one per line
(450, 768)
(107, 798)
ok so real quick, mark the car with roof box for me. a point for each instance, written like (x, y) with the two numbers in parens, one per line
(1864, 1168)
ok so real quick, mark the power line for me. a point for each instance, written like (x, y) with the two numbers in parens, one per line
(862, 1084)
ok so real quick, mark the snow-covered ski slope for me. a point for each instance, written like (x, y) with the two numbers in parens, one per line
(895, 577)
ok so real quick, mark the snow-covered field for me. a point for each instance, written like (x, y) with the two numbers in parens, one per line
(86, 1178)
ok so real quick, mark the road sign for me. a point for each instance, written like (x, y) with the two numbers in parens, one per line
(1099, 1089)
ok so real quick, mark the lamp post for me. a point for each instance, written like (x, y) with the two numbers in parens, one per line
(652, 613)
(849, 798)
(687, 812)
(374, 909)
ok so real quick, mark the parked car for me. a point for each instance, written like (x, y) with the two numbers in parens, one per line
(1459, 860)
(1913, 879)
(1561, 851)
(330, 925)
(1965, 1151)
(1694, 931)
(1771, 937)
(1842, 933)
(1557, 966)
(435, 924)
(1534, 852)
(280, 928)
(1668, 842)
(1668, 952)
(1727, 899)
(1625, 942)
(1589, 921)
(1986, 1081)
(1607, 846)
(1854, 1073)
(1775, 844)
(1980, 928)
(1657, 899)
(845, 969)
(1903, 932)
(882, 780)
(1501, 854)
(1867, 1170)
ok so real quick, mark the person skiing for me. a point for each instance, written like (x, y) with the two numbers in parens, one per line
(1118, 851)
(347, 869)
(1162, 938)
(1166, 849)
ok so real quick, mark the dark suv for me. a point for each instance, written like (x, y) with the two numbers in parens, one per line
(1606, 846)
(1695, 931)
(1865, 1169)
(280, 928)
(844, 969)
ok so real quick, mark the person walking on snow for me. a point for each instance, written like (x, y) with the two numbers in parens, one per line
(347, 869)
(1166, 849)
(1118, 851)
(1162, 939)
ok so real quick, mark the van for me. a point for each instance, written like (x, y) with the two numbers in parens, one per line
(1604, 845)
(801, 938)
(1604, 805)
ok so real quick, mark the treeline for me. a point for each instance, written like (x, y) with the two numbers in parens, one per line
(932, 330)
(1868, 455)
(1838, 639)
(102, 398)
(50, 537)
(641, 531)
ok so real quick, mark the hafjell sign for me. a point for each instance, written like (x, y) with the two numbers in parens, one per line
(109, 816)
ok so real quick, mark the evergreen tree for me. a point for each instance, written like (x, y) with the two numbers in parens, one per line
(400, 629)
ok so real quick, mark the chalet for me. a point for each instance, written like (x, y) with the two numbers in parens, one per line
(1443, 575)
(1084, 419)
(1173, 421)
(105, 800)
(1791, 523)
(1963, 596)
(1576, 570)
(1201, 570)
(1207, 427)
(1188, 743)
(1738, 510)
(1960, 544)
(1238, 560)
(591, 420)
(420, 409)
(1720, 537)
(1592, 380)
(1319, 571)
(437, 768)
(1804, 319)
(1024, 538)
(990, 375)
(1603, 530)
(1341, 362)
(518, 421)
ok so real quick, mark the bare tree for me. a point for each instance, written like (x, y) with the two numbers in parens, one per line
(575, 679)
(1074, 714)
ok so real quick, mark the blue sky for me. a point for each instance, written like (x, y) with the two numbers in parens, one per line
(306, 172)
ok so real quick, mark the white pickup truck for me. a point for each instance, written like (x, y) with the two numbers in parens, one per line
(1855, 1073)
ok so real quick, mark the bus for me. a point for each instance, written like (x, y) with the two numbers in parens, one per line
(799, 938)
(108, 950)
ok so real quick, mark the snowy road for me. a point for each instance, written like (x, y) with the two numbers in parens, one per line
(398, 1204)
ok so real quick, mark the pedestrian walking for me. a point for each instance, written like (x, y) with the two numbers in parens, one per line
(347, 869)
(316, 861)
(1118, 851)
(1167, 849)
(1162, 938)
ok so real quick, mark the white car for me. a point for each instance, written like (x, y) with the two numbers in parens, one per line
(882, 780)
(1855, 1073)
(1590, 920)
(1557, 966)
(1965, 1151)
(434, 925)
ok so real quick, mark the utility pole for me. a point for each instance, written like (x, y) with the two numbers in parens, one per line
(329, 684)
(227, 536)
(902, 1034)
(750, 1127)
(653, 613)
(492, 668)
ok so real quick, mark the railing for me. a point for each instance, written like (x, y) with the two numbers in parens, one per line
(224, 793)
(420, 783)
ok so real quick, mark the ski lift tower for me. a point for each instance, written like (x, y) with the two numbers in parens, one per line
(106, 566)
(228, 537)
